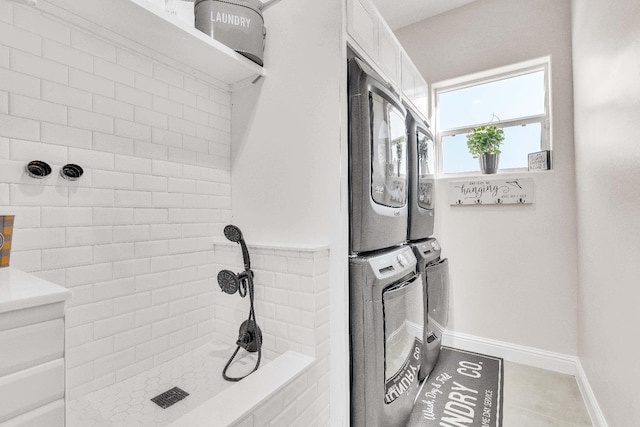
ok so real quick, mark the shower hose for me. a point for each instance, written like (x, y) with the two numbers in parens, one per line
(246, 282)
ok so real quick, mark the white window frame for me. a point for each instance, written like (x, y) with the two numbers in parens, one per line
(539, 64)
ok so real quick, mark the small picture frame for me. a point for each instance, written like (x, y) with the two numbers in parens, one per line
(540, 161)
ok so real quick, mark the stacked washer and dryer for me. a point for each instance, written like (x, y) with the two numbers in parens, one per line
(398, 283)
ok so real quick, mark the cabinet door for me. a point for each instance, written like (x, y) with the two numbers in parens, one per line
(389, 54)
(421, 97)
(414, 87)
(362, 26)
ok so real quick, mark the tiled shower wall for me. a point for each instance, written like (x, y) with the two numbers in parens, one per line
(291, 294)
(132, 238)
(292, 309)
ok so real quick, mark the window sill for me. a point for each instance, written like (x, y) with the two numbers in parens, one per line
(505, 173)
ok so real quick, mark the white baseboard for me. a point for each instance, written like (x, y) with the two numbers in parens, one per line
(556, 362)
(597, 417)
(551, 361)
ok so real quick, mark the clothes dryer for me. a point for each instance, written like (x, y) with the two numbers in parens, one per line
(421, 177)
(378, 162)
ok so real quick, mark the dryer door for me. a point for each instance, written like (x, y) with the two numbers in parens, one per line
(403, 314)
(421, 206)
(389, 153)
(425, 163)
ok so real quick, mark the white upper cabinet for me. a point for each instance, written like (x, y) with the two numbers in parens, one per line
(389, 53)
(414, 87)
(370, 36)
(140, 23)
(362, 26)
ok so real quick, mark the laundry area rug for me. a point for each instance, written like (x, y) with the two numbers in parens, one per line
(463, 390)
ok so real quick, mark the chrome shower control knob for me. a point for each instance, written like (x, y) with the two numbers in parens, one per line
(402, 260)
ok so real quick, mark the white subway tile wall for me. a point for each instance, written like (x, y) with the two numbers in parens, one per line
(292, 306)
(133, 237)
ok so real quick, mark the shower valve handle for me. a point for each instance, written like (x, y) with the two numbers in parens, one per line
(244, 339)
(249, 336)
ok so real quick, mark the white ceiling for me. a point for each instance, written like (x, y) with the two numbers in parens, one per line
(400, 13)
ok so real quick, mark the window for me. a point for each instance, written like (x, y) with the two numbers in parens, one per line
(515, 99)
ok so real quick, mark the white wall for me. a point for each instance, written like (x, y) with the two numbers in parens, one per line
(286, 130)
(513, 268)
(606, 54)
(289, 156)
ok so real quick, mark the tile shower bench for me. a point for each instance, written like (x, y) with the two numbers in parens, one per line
(31, 350)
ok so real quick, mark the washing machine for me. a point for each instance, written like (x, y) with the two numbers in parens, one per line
(386, 334)
(434, 272)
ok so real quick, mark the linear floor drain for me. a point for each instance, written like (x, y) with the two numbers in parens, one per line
(169, 397)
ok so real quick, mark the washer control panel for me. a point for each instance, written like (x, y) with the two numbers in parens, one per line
(428, 250)
(399, 262)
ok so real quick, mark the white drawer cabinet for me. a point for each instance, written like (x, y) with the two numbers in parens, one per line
(48, 415)
(31, 351)
(31, 345)
(31, 388)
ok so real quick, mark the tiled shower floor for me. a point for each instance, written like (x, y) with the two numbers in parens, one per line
(128, 404)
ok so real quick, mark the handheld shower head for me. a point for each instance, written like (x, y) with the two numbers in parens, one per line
(233, 233)
(249, 336)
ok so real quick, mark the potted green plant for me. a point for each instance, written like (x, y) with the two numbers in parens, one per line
(484, 143)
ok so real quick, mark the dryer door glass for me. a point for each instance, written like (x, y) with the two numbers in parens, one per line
(388, 152)
(403, 314)
(425, 170)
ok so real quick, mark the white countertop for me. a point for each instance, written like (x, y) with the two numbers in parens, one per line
(20, 290)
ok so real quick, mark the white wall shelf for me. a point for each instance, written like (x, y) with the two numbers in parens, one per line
(141, 23)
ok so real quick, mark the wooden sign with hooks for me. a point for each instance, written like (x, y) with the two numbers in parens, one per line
(513, 191)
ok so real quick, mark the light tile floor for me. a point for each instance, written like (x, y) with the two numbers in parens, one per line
(536, 397)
